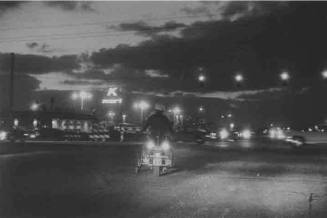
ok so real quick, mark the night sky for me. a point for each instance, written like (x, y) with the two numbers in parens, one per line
(156, 50)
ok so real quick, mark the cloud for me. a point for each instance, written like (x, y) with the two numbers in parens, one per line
(8, 5)
(142, 28)
(71, 5)
(41, 48)
(38, 64)
(224, 95)
(259, 48)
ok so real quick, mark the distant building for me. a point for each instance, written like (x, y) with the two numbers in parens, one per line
(50, 119)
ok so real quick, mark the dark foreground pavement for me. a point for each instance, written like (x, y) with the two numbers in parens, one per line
(235, 179)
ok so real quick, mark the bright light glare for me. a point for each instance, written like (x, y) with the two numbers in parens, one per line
(285, 76)
(324, 74)
(239, 78)
(3, 135)
(81, 94)
(165, 145)
(223, 134)
(202, 78)
(276, 133)
(143, 105)
(150, 144)
(176, 110)
(34, 106)
(246, 134)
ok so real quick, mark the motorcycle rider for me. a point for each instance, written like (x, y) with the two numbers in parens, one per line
(158, 124)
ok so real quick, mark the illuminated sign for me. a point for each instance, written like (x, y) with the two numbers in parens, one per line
(112, 101)
(112, 91)
(112, 96)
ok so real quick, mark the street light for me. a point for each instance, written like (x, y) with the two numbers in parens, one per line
(83, 95)
(284, 76)
(239, 78)
(35, 106)
(142, 105)
(324, 74)
(201, 108)
(202, 78)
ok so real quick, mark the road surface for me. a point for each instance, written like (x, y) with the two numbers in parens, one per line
(232, 179)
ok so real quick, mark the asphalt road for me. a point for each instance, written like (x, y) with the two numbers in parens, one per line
(229, 179)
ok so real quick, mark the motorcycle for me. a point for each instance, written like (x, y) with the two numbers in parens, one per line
(157, 154)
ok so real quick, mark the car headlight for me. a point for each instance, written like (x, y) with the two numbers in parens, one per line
(223, 134)
(150, 144)
(165, 145)
(246, 134)
(3, 135)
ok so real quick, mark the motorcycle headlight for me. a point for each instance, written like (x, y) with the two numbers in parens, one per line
(3, 135)
(165, 145)
(246, 134)
(223, 134)
(150, 144)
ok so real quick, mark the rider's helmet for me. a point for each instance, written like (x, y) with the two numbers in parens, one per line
(159, 107)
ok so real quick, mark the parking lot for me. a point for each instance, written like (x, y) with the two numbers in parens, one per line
(232, 179)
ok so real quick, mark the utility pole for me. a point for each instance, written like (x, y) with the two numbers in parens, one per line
(11, 88)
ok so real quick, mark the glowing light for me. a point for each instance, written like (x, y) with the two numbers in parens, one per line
(239, 78)
(246, 134)
(16, 122)
(165, 145)
(150, 145)
(111, 114)
(201, 109)
(34, 107)
(284, 76)
(35, 122)
(324, 74)
(229, 115)
(201, 78)
(223, 134)
(177, 110)
(231, 126)
(3, 135)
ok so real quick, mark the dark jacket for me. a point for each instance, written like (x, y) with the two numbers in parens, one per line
(158, 125)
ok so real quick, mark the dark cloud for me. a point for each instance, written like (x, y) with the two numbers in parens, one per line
(71, 5)
(292, 38)
(37, 64)
(144, 29)
(32, 45)
(42, 48)
(8, 5)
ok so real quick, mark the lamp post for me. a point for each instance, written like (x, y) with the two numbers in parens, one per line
(82, 95)
(142, 106)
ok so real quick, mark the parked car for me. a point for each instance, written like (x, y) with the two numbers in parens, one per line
(307, 136)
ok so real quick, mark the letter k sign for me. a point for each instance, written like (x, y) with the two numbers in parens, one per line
(112, 91)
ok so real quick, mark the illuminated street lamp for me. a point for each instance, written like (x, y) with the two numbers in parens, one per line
(124, 118)
(239, 78)
(284, 76)
(142, 106)
(201, 109)
(35, 106)
(229, 115)
(324, 74)
(202, 78)
(82, 95)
